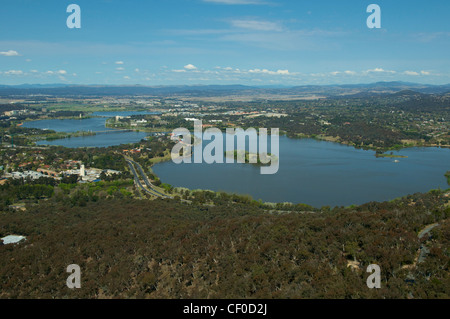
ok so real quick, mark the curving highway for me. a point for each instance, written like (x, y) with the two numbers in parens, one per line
(151, 188)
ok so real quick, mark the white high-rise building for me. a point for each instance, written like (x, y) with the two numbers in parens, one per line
(82, 171)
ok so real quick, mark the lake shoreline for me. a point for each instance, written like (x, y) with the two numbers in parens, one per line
(377, 179)
(319, 137)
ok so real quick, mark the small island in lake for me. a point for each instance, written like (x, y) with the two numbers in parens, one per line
(390, 155)
(253, 158)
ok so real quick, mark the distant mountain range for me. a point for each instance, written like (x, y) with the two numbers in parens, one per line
(221, 90)
(372, 88)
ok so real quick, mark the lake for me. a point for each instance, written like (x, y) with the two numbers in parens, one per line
(94, 124)
(313, 172)
(320, 173)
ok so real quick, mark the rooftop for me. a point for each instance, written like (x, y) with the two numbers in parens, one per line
(12, 239)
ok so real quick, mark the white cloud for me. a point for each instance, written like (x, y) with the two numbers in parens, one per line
(376, 70)
(350, 72)
(265, 71)
(283, 72)
(136, 70)
(178, 71)
(431, 36)
(256, 25)
(411, 73)
(379, 70)
(120, 69)
(228, 68)
(126, 77)
(425, 73)
(190, 67)
(14, 72)
(238, 2)
(59, 72)
(119, 62)
(10, 53)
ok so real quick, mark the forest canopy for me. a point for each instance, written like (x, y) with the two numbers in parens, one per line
(131, 248)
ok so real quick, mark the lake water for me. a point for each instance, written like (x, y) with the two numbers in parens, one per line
(320, 173)
(313, 172)
(94, 124)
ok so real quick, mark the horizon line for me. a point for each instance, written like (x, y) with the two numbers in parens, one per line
(216, 84)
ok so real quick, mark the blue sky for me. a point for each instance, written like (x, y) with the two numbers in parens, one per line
(252, 42)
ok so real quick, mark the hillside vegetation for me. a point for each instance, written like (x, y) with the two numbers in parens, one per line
(131, 248)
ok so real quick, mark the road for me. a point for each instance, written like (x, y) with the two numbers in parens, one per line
(424, 251)
(427, 230)
(151, 188)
